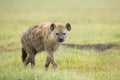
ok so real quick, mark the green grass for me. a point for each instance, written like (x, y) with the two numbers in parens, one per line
(93, 21)
(74, 65)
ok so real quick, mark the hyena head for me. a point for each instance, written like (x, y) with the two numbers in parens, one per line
(59, 31)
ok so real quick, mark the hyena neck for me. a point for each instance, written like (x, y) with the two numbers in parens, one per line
(54, 42)
(52, 39)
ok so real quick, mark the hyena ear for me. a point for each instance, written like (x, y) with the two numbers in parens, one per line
(52, 26)
(68, 26)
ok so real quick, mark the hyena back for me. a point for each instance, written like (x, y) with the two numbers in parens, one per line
(45, 36)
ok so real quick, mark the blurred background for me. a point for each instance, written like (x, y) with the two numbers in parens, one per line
(75, 11)
(93, 21)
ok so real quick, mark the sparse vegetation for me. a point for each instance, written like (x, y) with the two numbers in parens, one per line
(92, 22)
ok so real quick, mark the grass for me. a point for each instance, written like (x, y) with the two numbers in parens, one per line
(92, 22)
(75, 65)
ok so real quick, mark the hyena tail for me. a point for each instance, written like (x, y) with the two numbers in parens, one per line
(24, 54)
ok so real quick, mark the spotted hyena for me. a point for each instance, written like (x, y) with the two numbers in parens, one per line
(45, 36)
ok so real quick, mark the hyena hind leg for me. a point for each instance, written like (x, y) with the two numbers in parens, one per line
(24, 55)
(33, 61)
(30, 59)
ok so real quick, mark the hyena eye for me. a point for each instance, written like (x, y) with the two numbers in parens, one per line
(57, 33)
(64, 33)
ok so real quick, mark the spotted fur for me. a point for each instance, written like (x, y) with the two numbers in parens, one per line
(45, 36)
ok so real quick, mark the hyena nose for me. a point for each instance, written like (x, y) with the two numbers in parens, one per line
(61, 39)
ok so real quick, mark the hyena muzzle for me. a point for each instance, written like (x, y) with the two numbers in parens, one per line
(45, 36)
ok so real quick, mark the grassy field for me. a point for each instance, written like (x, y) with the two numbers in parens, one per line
(93, 21)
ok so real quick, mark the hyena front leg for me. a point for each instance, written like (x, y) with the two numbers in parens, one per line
(53, 62)
(50, 59)
(47, 63)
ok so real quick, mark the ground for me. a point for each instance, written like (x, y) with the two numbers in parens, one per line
(93, 22)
